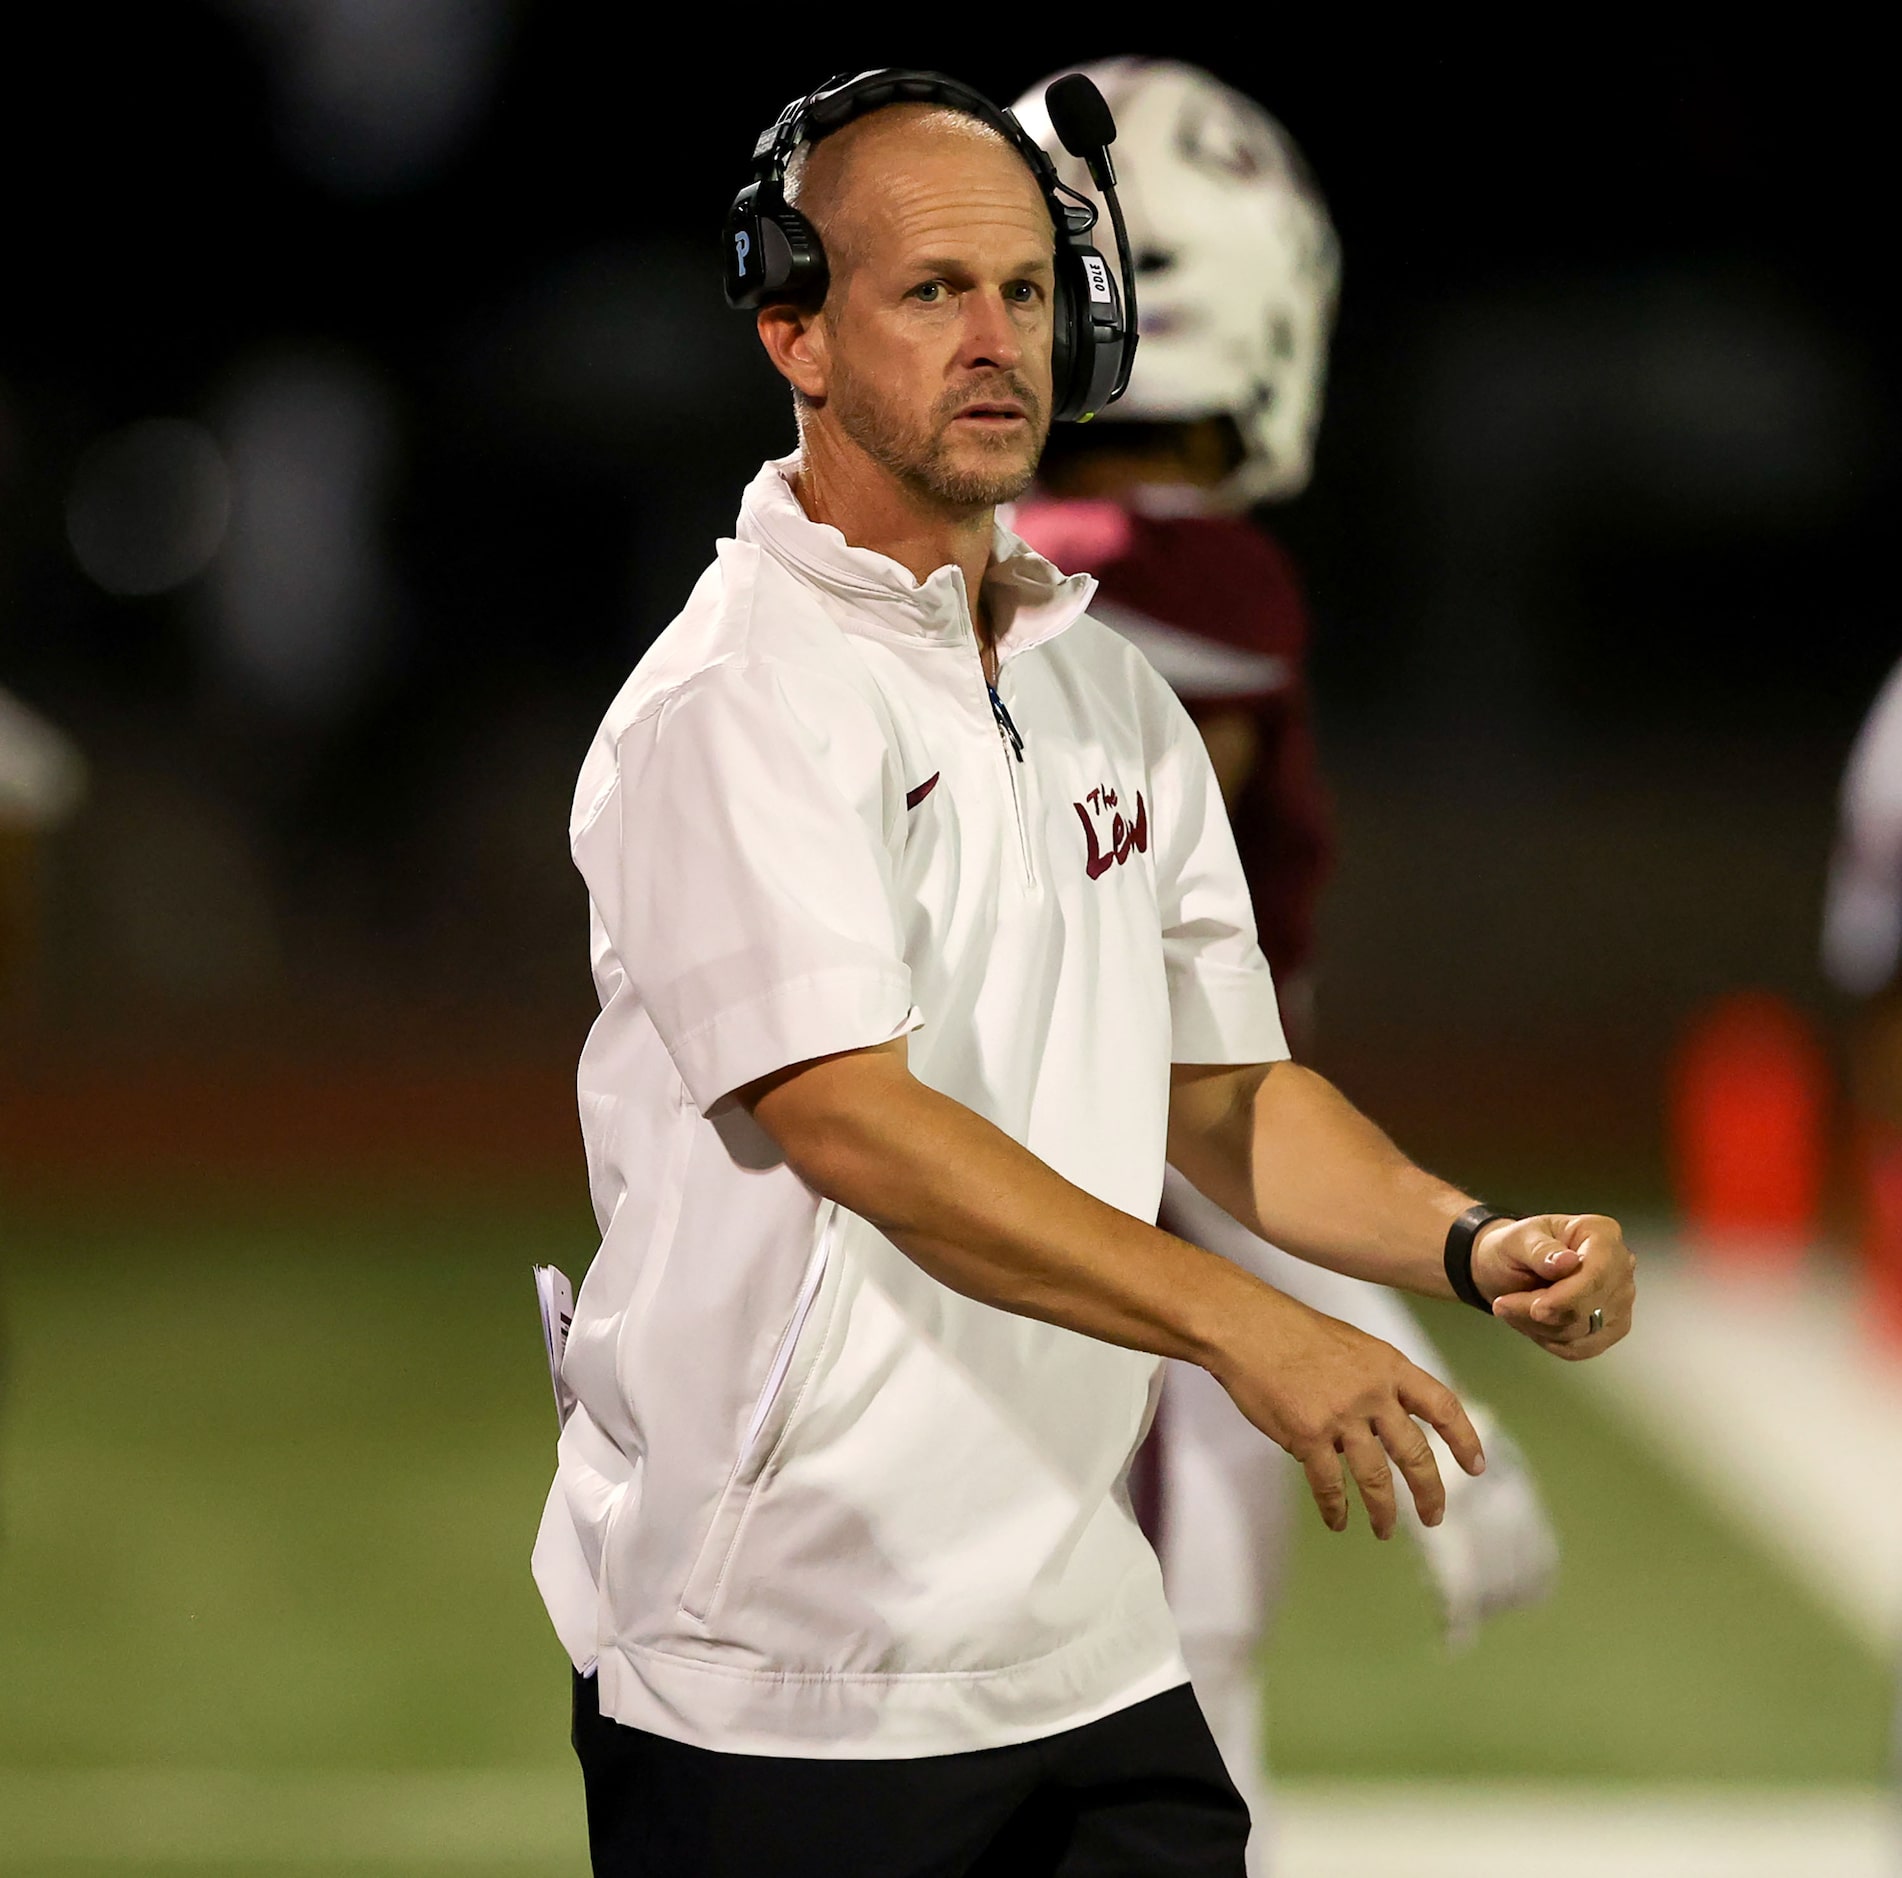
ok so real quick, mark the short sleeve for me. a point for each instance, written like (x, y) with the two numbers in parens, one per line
(1222, 1006)
(739, 867)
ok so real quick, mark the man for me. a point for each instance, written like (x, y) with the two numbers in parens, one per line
(42, 778)
(921, 939)
(1240, 278)
(1862, 956)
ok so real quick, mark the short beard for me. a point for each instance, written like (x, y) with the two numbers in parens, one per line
(918, 454)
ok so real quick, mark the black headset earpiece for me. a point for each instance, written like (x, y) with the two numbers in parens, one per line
(772, 253)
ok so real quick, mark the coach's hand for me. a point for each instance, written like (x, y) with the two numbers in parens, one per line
(1332, 1395)
(1546, 1275)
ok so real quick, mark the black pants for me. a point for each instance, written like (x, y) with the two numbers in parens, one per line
(1139, 1794)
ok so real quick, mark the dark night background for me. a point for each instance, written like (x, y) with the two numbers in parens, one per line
(1597, 541)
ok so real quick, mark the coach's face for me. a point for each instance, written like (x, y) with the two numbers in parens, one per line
(932, 353)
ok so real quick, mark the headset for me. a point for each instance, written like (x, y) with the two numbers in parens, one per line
(773, 253)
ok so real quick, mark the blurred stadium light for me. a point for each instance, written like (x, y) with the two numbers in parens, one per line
(149, 506)
(301, 597)
(376, 95)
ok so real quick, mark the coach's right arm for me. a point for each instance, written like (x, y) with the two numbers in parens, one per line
(983, 1215)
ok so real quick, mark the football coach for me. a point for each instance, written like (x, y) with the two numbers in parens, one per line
(921, 943)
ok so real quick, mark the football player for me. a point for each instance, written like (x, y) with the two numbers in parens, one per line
(1161, 498)
(1862, 955)
(41, 780)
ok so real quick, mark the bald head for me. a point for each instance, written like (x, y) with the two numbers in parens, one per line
(928, 365)
(837, 183)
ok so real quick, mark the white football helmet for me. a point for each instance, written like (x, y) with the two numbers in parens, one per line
(1238, 268)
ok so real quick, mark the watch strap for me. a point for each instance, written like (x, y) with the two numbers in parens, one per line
(1459, 1254)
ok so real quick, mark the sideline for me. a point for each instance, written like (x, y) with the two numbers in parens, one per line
(1617, 1832)
(1769, 1397)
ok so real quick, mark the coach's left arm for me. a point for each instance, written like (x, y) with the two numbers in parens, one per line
(1284, 1152)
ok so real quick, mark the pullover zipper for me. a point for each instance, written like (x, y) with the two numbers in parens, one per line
(1006, 728)
(1013, 742)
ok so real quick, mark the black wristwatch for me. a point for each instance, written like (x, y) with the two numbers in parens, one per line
(1459, 1253)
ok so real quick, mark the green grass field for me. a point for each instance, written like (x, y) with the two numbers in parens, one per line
(1672, 1651)
(269, 1476)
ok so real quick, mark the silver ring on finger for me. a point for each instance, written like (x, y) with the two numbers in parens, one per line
(1595, 1323)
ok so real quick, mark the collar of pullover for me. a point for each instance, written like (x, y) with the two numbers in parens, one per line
(1030, 600)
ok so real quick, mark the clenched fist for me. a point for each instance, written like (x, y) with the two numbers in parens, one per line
(1545, 1275)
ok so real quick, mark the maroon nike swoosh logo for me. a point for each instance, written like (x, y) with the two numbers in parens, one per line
(914, 796)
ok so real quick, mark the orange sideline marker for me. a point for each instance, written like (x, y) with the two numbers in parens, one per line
(1749, 1094)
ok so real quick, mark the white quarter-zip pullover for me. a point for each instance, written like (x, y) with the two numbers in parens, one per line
(821, 1504)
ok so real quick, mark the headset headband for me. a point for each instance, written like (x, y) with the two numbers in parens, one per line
(772, 253)
(849, 95)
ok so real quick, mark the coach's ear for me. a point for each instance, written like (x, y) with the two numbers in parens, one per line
(795, 339)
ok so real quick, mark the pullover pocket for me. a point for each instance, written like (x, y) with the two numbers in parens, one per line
(766, 1428)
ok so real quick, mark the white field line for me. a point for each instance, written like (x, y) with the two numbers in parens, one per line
(1769, 1397)
(1466, 1832)
(220, 1820)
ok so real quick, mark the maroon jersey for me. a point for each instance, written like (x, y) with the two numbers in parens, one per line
(1216, 607)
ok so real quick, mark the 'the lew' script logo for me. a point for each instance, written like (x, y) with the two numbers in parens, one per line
(1124, 836)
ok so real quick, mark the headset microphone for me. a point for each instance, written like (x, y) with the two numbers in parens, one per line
(1086, 127)
(1080, 115)
(772, 253)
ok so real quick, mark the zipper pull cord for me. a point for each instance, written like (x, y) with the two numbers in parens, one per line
(1001, 711)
